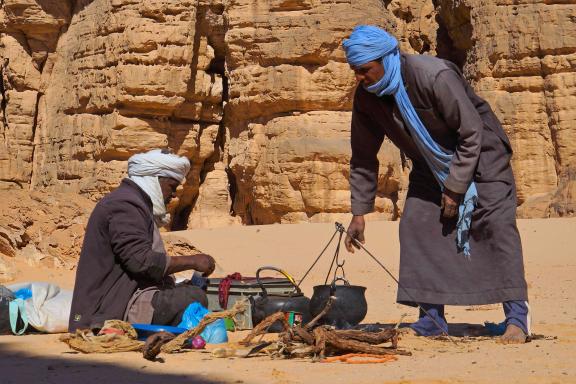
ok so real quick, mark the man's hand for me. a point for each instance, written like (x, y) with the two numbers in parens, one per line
(450, 203)
(200, 262)
(205, 264)
(356, 230)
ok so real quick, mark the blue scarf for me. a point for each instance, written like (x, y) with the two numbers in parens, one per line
(368, 43)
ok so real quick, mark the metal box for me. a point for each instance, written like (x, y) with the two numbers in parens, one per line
(242, 290)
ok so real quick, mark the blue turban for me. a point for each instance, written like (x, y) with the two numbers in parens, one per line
(368, 43)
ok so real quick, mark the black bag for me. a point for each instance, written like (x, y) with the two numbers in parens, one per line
(6, 296)
(7, 299)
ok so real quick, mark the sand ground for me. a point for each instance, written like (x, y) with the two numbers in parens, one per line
(550, 259)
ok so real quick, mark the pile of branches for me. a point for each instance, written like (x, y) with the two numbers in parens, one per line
(312, 340)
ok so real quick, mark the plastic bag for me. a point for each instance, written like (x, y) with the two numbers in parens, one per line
(24, 293)
(215, 333)
(6, 297)
(47, 306)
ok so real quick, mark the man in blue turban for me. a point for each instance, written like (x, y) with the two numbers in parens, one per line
(458, 236)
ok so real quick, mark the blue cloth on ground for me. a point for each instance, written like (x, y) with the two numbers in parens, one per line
(368, 43)
(495, 329)
(215, 333)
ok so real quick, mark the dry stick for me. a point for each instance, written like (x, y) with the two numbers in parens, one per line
(154, 343)
(327, 307)
(320, 338)
(368, 337)
(300, 350)
(331, 338)
(304, 335)
(179, 341)
(304, 332)
(263, 326)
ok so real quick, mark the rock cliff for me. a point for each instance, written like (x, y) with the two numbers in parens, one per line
(257, 94)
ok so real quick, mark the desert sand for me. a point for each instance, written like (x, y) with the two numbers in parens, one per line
(549, 251)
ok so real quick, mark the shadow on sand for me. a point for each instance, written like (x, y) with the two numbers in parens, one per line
(17, 367)
(454, 329)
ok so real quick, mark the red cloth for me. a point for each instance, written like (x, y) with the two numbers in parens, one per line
(224, 288)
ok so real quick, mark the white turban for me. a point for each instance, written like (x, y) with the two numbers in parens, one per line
(145, 168)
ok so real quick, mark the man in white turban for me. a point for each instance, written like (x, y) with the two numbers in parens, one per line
(157, 173)
(124, 271)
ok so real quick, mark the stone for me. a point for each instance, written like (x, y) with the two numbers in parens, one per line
(520, 57)
(39, 226)
(295, 167)
(7, 271)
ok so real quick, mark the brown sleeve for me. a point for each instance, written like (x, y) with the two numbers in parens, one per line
(461, 115)
(366, 142)
(132, 244)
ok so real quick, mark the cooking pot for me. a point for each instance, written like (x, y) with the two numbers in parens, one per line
(349, 308)
(266, 304)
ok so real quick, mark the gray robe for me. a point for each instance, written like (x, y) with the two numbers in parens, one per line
(431, 270)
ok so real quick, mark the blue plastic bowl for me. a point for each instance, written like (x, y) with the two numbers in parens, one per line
(145, 330)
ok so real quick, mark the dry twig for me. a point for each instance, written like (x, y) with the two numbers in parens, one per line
(319, 316)
(329, 338)
(263, 326)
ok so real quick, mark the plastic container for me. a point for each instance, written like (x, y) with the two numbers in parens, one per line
(229, 323)
(145, 330)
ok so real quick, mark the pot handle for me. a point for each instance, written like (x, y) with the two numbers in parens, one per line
(333, 285)
(270, 268)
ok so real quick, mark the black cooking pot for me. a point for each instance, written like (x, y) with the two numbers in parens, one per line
(267, 304)
(348, 310)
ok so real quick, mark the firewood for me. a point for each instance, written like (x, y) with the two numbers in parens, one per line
(263, 326)
(320, 338)
(326, 337)
(383, 336)
(153, 344)
(319, 316)
(304, 335)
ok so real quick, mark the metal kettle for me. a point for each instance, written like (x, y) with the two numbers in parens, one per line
(265, 304)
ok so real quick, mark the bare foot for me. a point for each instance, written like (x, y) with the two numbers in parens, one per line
(513, 335)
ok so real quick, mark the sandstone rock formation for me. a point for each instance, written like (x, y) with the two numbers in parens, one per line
(258, 95)
(521, 57)
(288, 113)
(42, 228)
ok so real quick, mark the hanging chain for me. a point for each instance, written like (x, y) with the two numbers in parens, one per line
(335, 260)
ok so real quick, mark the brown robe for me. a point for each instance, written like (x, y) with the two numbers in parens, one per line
(117, 257)
(431, 269)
